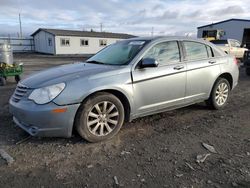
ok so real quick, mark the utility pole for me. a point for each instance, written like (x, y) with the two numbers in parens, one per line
(152, 32)
(101, 26)
(20, 25)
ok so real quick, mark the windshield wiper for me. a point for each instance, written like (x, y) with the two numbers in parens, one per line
(95, 62)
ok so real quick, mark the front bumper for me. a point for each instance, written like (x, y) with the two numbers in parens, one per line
(41, 121)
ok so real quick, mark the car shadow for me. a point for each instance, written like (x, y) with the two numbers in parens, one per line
(138, 125)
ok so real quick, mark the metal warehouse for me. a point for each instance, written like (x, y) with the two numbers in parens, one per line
(55, 41)
(238, 29)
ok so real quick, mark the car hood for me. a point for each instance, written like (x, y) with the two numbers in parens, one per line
(65, 73)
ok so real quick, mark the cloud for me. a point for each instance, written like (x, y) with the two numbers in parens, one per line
(167, 17)
(230, 10)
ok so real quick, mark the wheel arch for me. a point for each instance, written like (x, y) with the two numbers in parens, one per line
(228, 77)
(120, 95)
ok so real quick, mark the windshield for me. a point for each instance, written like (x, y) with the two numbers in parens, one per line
(219, 42)
(120, 53)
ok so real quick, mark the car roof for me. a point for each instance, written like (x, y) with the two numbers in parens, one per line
(179, 38)
(162, 38)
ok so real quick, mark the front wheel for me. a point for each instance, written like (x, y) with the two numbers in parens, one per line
(100, 117)
(2, 81)
(248, 71)
(220, 94)
(17, 78)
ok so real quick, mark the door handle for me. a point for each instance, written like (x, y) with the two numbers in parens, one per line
(179, 67)
(212, 62)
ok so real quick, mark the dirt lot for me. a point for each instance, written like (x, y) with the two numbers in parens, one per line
(156, 151)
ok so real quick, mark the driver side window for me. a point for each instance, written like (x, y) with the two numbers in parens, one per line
(165, 53)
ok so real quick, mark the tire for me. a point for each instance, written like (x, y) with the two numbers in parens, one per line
(220, 94)
(248, 71)
(92, 121)
(2, 81)
(17, 78)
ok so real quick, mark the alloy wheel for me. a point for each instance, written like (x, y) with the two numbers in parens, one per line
(221, 94)
(102, 118)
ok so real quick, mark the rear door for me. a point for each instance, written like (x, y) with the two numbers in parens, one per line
(202, 70)
(160, 87)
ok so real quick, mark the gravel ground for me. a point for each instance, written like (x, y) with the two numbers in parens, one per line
(156, 151)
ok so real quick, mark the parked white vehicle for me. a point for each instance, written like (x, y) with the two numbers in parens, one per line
(231, 46)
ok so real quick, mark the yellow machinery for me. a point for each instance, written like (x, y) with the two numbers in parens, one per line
(213, 34)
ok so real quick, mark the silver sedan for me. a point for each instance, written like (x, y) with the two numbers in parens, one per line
(124, 81)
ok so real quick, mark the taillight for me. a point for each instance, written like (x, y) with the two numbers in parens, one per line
(235, 61)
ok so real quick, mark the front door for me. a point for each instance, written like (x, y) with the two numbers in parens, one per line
(161, 87)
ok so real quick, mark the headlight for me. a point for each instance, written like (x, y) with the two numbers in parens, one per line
(46, 94)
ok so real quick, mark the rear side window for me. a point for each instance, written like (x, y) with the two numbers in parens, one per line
(195, 50)
(216, 53)
(165, 53)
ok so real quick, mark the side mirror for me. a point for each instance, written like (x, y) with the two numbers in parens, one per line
(149, 62)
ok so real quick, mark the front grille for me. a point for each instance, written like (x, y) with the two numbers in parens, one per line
(19, 93)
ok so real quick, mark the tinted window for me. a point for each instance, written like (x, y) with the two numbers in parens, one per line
(119, 53)
(216, 53)
(165, 53)
(195, 50)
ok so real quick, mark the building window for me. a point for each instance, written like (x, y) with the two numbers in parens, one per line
(50, 41)
(84, 42)
(103, 42)
(65, 42)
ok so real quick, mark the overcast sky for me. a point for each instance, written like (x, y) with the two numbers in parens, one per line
(167, 17)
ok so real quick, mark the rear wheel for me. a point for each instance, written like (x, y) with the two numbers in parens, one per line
(100, 117)
(248, 71)
(220, 94)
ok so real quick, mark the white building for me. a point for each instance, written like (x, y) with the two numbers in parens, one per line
(238, 29)
(55, 41)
